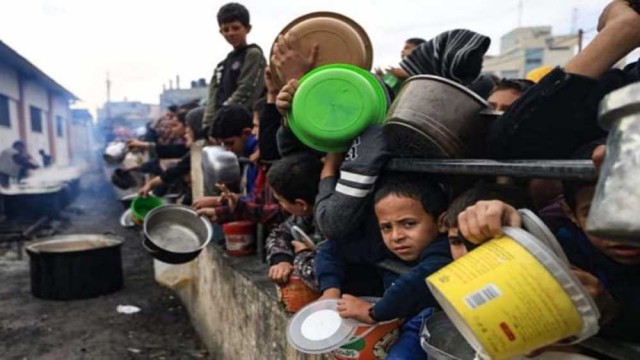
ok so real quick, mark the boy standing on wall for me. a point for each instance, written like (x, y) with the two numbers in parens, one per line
(238, 79)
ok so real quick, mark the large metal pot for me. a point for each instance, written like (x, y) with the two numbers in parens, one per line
(175, 234)
(433, 117)
(219, 166)
(75, 266)
(115, 152)
(441, 340)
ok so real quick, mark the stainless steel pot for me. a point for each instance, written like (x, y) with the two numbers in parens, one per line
(115, 152)
(218, 166)
(70, 267)
(433, 117)
(441, 340)
(175, 234)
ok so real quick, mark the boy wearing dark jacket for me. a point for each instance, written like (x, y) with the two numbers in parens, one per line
(238, 79)
(294, 181)
(409, 211)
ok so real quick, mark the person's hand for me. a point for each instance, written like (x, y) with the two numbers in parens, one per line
(146, 189)
(619, 13)
(226, 195)
(285, 98)
(255, 156)
(484, 220)
(209, 213)
(299, 246)
(272, 89)
(604, 300)
(280, 272)
(351, 307)
(331, 293)
(137, 144)
(378, 71)
(289, 62)
(398, 72)
(598, 157)
(207, 201)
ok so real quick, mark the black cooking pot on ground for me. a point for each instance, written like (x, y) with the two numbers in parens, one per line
(69, 267)
(175, 234)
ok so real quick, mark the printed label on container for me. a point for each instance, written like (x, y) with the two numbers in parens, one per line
(507, 298)
(238, 242)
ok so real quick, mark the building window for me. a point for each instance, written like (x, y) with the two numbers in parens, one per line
(60, 126)
(36, 119)
(532, 58)
(5, 120)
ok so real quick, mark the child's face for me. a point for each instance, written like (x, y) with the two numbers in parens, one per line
(620, 253)
(189, 137)
(297, 207)
(501, 100)
(456, 245)
(177, 129)
(256, 124)
(407, 229)
(407, 49)
(235, 33)
(235, 144)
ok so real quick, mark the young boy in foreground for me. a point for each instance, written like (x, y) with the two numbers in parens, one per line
(409, 211)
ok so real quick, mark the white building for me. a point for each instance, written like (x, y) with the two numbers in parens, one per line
(34, 108)
(526, 48)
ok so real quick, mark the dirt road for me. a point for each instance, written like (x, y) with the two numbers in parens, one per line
(31, 328)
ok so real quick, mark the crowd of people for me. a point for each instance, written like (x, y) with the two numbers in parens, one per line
(352, 213)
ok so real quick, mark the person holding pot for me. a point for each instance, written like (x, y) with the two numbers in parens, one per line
(15, 162)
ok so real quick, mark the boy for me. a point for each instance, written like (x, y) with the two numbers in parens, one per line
(409, 211)
(238, 79)
(294, 181)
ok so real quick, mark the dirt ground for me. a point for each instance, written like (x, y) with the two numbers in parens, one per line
(31, 328)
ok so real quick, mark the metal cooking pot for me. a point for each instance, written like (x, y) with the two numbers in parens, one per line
(441, 340)
(127, 200)
(123, 179)
(115, 152)
(75, 266)
(175, 234)
(433, 117)
(219, 166)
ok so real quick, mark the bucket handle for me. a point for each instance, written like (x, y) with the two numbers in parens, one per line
(369, 330)
(303, 237)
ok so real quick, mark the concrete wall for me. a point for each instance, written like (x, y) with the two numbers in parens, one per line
(36, 95)
(232, 304)
(61, 109)
(9, 88)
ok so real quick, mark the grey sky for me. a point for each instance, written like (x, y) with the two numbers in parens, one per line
(144, 43)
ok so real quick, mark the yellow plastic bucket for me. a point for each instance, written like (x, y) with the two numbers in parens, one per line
(513, 295)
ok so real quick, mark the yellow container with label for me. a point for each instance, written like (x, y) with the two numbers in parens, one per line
(513, 295)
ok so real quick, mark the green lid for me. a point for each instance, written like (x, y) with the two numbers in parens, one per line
(335, 103)
(141, 206)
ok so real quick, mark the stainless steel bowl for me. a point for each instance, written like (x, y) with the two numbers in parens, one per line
(175, 234)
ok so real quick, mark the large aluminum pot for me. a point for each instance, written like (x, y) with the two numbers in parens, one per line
(219, 166)
(115, 152)
(433, 117)
(441, 340)
(175, 234)
(68, 267)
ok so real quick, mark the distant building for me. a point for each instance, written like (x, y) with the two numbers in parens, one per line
(526, 48)
(128, 114)
(34, 108)
(198, 92)
(81, 134)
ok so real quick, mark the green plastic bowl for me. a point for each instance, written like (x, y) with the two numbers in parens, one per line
(141, 206)
(335, 103)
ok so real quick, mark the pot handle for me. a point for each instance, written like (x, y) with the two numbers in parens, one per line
(303, 237)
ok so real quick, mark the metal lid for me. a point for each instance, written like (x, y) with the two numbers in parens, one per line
(536, 227)
(318, 328)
